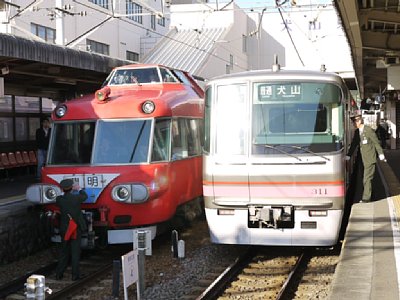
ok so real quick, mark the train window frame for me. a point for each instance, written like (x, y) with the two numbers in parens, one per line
(241, 113)
(155, 141)
(169, 76)
(141, 146)
(134, 76)
(325, 96)
(70, 157)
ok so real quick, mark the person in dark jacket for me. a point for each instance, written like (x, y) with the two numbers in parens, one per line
(70, 210)
(42, 144)
(365, 138)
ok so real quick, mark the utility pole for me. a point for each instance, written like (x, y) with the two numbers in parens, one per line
(59, 24)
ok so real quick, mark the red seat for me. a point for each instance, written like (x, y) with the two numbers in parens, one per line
(12, 159)
(5, 162)
(32, 157)
(26, 159)
(19, 159)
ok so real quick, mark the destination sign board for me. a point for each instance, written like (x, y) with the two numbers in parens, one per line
(271, 92)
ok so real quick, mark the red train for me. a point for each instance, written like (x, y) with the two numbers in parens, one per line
(135, 146)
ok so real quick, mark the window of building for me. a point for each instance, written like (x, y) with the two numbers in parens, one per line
(227, 69)
(21, 129)
(34, 123)
(153, 22)
(102, 3)
(133, 56)
(46, 33)
(6, 129)
(98, 47)
(161, 22)
(27, 104)
(134, 11)
(6, 103)
(244, 43)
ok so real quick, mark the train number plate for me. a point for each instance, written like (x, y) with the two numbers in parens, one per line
(89, 180)
(93, 181)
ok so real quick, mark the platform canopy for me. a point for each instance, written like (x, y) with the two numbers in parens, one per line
(33, 68)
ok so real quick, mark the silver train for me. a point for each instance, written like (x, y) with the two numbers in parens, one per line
(274, 171)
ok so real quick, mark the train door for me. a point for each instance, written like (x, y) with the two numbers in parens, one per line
(227, 167)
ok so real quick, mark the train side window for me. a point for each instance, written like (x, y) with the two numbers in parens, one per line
(194, 145)
(179, 139)
(167, 76)
(161, 140)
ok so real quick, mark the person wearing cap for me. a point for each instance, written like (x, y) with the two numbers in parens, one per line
(70, 211)
(42, 144)
(366, 139)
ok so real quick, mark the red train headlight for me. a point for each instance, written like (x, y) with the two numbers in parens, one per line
(103, 93)
(60, 111)
(148, 107)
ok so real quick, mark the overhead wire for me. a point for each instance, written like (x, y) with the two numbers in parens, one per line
(287, 30)
(160, 34)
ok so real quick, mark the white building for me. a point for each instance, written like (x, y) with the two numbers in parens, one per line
(211, 39)
(207, 39)
(122, 29)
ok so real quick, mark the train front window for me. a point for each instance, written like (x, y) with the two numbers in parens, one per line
(71, 143)
(121, 142)
(135, 76)
(296, 116)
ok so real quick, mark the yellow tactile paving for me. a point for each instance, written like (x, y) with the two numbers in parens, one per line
(396, 203)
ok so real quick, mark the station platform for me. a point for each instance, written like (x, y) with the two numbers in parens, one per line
(369, 266)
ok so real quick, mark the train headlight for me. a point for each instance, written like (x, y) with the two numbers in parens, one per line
(130, 193)
(148, 107)
(42, 193)
(50, 194)
(103, 93)
(60, 111)
(121, 193)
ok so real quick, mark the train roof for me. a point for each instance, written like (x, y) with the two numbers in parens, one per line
(279, 74)
(125, 91)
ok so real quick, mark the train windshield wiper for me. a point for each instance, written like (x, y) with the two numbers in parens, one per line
(281, 151)
(308, 151)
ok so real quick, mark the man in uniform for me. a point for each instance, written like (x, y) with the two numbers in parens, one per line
(70, 210)
(365, 138)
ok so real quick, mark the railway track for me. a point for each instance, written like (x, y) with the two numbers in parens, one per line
(271, 274)
(92, 265)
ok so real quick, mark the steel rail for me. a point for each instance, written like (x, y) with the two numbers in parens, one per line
(219, 284)
(300, 261)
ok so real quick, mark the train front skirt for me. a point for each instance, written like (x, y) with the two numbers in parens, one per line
(234, 229)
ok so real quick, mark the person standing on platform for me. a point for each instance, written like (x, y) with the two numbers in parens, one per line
(365, 138)
(42, 143)
(72, 224)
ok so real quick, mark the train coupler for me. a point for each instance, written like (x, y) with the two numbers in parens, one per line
(276, 217)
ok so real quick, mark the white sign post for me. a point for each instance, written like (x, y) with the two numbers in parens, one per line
(129, 270)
